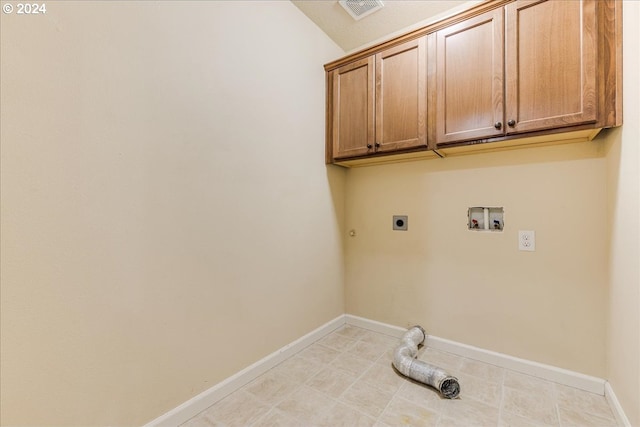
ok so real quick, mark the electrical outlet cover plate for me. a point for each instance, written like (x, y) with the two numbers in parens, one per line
(527, 240)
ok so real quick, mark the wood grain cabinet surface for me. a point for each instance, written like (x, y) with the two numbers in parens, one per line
(550, 64)
(379, 102)
(353, 109)
(469, 92)
(500, 74)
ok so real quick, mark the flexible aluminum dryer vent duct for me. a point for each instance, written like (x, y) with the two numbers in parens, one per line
(404, 360)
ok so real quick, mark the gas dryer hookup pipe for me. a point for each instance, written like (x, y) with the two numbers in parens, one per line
(404, 360)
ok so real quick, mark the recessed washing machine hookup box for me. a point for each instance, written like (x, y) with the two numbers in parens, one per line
(482, 218)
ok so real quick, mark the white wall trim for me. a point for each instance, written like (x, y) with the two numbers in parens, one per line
(535, 369)
(202, 401)
(547, 372)
(375, 326)
(618, 412)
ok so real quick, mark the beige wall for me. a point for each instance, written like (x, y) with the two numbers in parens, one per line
(167, 219)
(478, 288)
(623, 343)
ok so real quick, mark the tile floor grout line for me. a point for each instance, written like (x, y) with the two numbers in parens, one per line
(257, 397)
(558, 414)
(501, 404)
(357, 377)
(360, 377)
(336, 399)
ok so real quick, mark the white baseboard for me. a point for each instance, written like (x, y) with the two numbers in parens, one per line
(535, 369)
(618, 412)
(199, 403)
(547, 372)
(202, 401)
(375, 326)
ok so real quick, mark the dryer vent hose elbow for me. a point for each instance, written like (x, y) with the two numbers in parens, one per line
(404, 360)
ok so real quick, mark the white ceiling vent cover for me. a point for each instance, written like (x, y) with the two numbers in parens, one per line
(358, 9)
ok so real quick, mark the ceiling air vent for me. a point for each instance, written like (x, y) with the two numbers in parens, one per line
(358, 9)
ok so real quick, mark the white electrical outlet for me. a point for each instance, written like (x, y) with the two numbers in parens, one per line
(527, 240)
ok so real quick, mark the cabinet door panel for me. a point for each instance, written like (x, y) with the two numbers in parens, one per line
(470, 78)
(353, 109)
(401, 111)
(550, 64)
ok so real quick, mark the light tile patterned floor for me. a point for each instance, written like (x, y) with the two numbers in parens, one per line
(346, 379)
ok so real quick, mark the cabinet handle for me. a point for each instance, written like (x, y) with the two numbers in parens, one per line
(369, 146)
(511, 123)
(377, 145)
(498, 125)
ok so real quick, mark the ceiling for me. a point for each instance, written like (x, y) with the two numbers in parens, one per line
(396, 16)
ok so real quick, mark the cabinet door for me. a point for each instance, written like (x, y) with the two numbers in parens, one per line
(469, 79)
(353, 109)
(401, 97)
(550, 64)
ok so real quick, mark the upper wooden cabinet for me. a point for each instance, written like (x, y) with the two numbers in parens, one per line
(401, 97)
(551, 51)
(502, 73)
(353, 109)
(469, 90)
(379, 102)
(527, 67)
